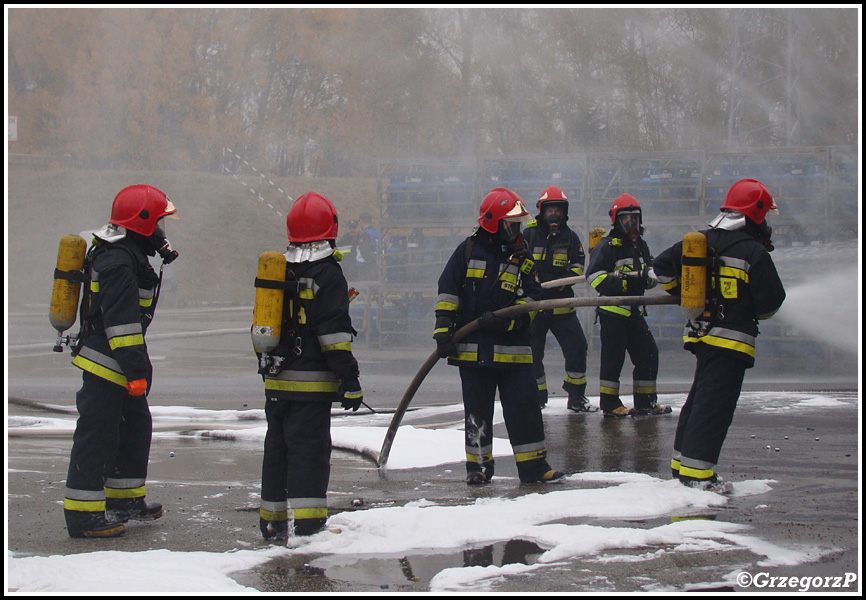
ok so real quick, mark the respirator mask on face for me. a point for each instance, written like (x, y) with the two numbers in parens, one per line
(764, 234)
(629, 224)
(509, 230)
(161, 244)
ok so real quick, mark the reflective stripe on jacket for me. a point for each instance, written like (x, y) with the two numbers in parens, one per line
(748, 289)
(614, 254)
(316, 336)
(489, 280)
(118, 308)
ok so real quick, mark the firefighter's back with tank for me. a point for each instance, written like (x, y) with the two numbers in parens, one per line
(105, 485)
(302, 335)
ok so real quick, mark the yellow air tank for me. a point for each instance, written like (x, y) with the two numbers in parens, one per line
(67, 284)
(268, 307)
(693, 293)
(595, 235)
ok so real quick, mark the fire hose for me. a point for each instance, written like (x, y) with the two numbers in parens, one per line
(508, 312)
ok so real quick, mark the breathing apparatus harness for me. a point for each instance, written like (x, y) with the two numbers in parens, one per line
(98, 247)
(715, 308)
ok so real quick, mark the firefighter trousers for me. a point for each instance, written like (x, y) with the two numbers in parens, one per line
(708, 411)
(633, 336)
(521, 412)
(296, 466)
(110, 447)
(568, 332)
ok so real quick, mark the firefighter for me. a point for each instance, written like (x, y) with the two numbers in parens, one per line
(558, 253)
(105, 485)
(311, 367)
(488, 271)
(621, 265)
(743, 287)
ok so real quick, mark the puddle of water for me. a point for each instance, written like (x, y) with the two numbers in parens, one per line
(396, 574)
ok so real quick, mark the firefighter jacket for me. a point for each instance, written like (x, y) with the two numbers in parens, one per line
(742, 288)
(556, 256)
(618, 267)
(116, 309)
(315, 348)
(481, 276)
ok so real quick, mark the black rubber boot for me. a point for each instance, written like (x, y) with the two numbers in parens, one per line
(274, 530)
(82, 524)
(124, 509)
(303, 527)
(580, 404)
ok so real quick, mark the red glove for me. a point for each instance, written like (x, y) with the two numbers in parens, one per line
(137, 387)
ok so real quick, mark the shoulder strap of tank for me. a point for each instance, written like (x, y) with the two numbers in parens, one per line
(467, 251)
(85, 325)
(714, 264)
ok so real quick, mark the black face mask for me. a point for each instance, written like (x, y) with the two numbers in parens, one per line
(162, 246)
(508, 232)
(764, 234)
(154, 244)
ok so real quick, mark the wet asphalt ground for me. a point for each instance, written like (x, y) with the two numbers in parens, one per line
(210, 487)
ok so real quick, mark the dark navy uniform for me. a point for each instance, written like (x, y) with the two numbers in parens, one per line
(557, 256)
(112, 438)
(317, 368)
(745, 289)
(486, 278)
(613, 264)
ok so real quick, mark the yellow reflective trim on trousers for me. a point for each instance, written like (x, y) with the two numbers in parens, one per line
(575, 380)
(603, 389)
(723, 343)
(115, 493)
(84, 505)
(145, 302)
(695, 473)
(512, 358)
(310, 513)
(338, 346)
(675, 464)
(617, 309)
(525, 456)
(124, 341)
(280, 515)
(645, 389)
(301, 386)
(479, 458)
(98, 370)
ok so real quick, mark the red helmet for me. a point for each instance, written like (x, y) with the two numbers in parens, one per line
(623, 203)
(497, 205)
(624, 206)
(311, 218)
(552, 196)
(139, 207)
(751, 198)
